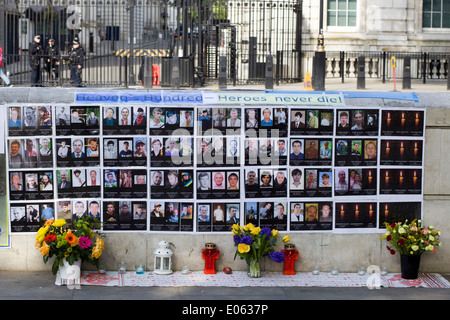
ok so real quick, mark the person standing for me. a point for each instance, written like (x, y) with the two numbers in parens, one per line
(35, 60)
(2, 74)
(52, 60)
(76, 61)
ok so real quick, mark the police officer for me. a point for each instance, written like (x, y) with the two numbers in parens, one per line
(35, 60)
(52, 59)
(76, 60)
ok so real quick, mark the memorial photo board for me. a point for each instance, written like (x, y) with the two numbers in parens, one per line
(202, 167)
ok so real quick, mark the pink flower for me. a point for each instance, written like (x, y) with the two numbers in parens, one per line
(425, 231)
(84, 242)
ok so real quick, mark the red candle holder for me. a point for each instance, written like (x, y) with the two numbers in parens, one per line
(290, 255)
(210, 254)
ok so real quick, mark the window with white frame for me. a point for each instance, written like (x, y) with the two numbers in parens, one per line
(341, 13)
(436, 14)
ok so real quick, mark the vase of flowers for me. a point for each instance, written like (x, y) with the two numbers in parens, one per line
(411, 240)
(254, 243)
(69, 246)
(253, 267)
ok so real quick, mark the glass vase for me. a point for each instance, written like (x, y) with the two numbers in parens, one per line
(254, 268)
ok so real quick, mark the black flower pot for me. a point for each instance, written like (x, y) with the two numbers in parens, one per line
(410, 266)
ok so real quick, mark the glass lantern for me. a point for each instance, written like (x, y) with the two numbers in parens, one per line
(163, 258)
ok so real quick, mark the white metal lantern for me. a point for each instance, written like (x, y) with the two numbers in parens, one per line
(163, 258)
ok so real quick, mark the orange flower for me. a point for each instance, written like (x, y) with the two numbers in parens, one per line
(71, 238)
(49, 222)
(45, 249)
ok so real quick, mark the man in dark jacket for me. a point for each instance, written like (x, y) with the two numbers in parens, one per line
(76, 60)
(52, 60)
(35, 60)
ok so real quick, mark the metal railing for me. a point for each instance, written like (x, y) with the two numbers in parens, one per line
(114, 69)
(115, 32)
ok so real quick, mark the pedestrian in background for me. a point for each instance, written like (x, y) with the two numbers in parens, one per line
(35, 60)
(76, 60)
(52, 60)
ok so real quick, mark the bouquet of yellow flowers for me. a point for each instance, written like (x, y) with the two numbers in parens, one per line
(56, 239)
(253, 243)
(411, 239)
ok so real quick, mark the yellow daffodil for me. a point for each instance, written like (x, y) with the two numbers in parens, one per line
(255, 230)
(275, 233)
(286, 238)
(243, 248)
(235, 228)
(248, 227)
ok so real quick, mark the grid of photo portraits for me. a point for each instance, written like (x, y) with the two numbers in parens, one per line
(201, 168)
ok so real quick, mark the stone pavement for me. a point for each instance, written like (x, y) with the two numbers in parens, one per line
(34, 285)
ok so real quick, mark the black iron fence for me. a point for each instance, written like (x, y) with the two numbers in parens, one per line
(116, 69)
(118, 34)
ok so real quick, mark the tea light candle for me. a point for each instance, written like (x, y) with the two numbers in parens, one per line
(102, 269)
(334, 271)
(185, 270)
(122, 267)
(316, 271)
(139, 269)
(361, 271)
(384, 271)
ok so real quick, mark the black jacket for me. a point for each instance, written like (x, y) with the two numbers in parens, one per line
(35, 53)
(76, 56)
(51, 53)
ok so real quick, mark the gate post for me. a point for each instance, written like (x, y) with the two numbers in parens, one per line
(407, 72)
(222, 72)
(269, 72)
(361, 82)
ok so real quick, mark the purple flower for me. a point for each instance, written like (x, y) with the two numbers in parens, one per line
(267, 232)
(247, 240)
(236, 239)
(277, 256)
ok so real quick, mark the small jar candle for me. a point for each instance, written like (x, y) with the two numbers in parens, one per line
(122, 267)
(334, 271)
(185, 270)
(316, 270)
(140, 269)
(361, 271)
(102, 269)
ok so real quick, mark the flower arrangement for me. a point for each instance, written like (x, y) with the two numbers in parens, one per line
(56, 239)
(253, 243)
(411, 239)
